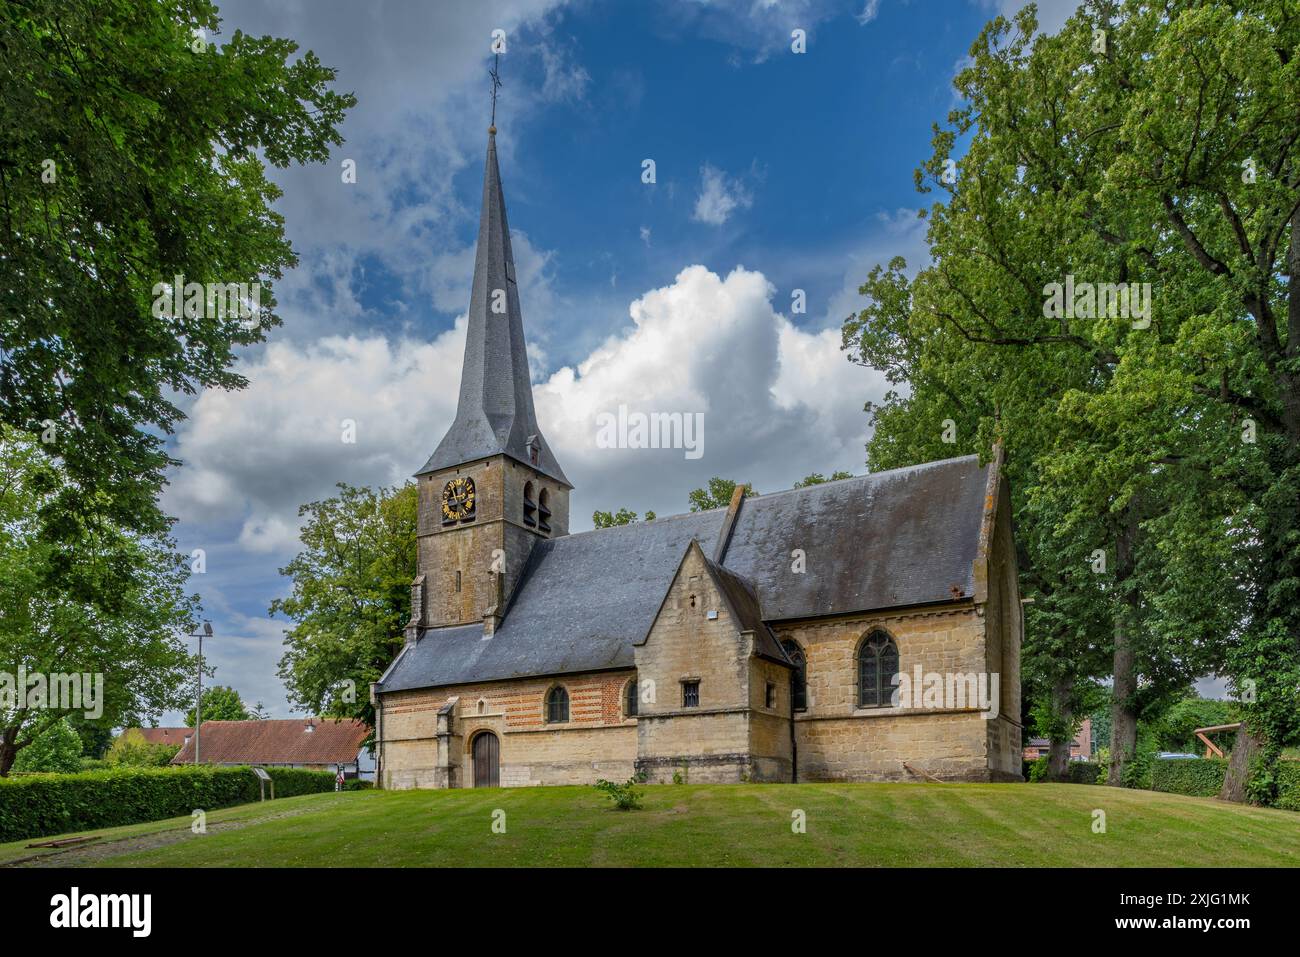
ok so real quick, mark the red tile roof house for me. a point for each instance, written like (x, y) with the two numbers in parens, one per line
(322, 744)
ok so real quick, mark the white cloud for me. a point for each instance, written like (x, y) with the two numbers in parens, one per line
(720, 196)
(1052, 14)
(869, 12)
(252, 457)
(778, 401)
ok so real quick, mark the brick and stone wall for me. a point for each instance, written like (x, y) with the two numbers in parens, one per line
(598, 740)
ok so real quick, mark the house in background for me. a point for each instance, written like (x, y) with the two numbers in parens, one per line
(317, 744)
(1080, 747)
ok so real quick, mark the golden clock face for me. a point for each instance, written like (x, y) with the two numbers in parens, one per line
(458, 500)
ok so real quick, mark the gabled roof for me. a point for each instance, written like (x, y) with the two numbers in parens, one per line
(277, 741)
(741, 600)
(494, 414)
(900, 538)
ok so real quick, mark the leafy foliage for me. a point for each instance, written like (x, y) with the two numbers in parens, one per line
(816, 478)
(351, 598)
(220, 703)
(43, 805)
(1171, 448)
(130, 749)
(624, 516)
(717, 494)
(128, 159)
(625, 796)
(112, 605)
(57, 749)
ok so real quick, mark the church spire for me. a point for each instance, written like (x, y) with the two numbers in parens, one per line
(495, 414)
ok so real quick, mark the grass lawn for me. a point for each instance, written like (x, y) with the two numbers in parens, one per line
(946, 825)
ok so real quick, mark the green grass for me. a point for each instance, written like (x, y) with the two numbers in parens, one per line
(944, 825)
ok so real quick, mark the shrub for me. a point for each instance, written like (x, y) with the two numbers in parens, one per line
(57, 750)
(625, 796)
(1199, 777)
(1077, 772)
(39, 806)
(1288, 785)
(131, 750)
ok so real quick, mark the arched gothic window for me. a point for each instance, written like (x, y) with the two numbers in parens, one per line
(877, 666)
(557, 706)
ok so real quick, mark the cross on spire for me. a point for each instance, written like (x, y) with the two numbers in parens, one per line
(495, 73)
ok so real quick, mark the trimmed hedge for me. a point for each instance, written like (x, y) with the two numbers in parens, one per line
(1288, 785)
(1199, 777)
(40, 806)
(1078, 772)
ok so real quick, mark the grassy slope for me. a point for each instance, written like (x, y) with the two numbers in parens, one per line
(848, 825)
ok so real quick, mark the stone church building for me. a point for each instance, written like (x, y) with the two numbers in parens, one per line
(832, 633)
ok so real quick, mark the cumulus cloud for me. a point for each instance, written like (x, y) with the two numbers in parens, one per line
(778, 401)
(253, 456)
(720, 196)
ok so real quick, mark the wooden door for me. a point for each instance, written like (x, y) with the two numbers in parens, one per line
(486, 761)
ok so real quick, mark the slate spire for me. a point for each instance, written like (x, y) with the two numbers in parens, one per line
(495, 413)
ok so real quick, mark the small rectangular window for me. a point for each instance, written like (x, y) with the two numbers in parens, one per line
(770, 697)
(690, 694)
(458, 581)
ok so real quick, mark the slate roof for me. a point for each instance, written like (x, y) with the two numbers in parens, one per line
(277, 741)
(740, 594)
(892, 539)
(494, 413)
(896, 538)
(582, 601)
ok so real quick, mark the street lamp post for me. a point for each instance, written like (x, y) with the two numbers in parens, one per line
(198, 692)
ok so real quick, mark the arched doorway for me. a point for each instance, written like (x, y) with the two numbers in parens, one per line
(487, 760)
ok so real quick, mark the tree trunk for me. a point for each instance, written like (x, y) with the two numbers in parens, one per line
(1244, 748)
(7, 750)
(1058, 756)
(1123, 735)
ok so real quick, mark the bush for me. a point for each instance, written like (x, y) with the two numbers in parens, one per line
(39, 806)
(1077, 772)
(1198, 777)
(626, 797)
(131, 749)
(57, 750)
(1288, 785)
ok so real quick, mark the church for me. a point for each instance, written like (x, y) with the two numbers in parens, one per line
(786, 637)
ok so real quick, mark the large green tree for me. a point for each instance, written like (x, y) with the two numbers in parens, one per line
(132, 151)
(351, 597)
(220, 703)
(1084, 156)
(101, 601)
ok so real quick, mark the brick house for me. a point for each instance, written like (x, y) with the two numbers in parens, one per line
(836, 632)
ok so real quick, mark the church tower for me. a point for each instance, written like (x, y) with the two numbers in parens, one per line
(492, 487)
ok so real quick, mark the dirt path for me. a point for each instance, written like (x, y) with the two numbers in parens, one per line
(88, 855)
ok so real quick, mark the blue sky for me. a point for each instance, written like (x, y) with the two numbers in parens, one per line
(775, 171)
